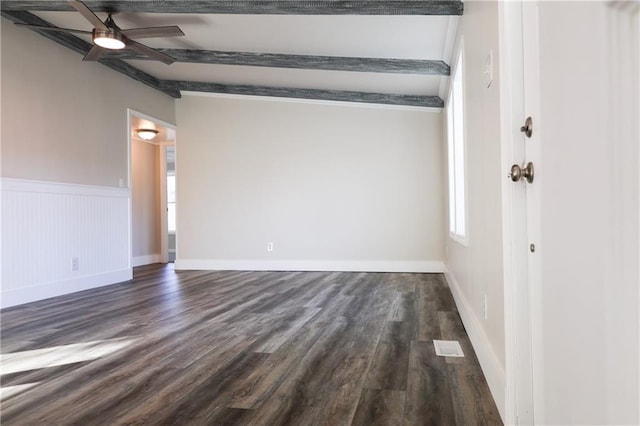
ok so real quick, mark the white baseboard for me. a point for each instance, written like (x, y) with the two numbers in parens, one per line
(52, 289)
(491, 367)
(311, 265)
(146, 260)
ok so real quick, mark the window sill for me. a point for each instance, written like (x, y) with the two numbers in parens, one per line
(463, 241)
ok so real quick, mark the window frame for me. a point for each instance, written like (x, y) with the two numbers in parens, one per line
(457, 72)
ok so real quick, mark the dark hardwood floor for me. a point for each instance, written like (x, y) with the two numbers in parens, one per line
(243, 348)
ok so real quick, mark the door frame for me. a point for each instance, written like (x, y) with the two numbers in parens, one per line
(164, 237)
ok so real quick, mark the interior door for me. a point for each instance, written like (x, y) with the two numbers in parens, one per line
(531, 135)
(521, 137)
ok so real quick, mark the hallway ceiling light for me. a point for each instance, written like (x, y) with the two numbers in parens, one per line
(146, 134)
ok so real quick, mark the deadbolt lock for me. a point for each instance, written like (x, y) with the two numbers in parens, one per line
(527, 129)
(518, 173)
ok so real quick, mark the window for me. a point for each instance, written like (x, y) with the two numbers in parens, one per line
(171, 202)
(455, 136)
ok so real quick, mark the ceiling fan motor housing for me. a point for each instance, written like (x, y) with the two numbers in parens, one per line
(109, 38)
(106, 35)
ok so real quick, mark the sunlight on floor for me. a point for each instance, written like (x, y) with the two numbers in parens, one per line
(60, 355)
(9, 391)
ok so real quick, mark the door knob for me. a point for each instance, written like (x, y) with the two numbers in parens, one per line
(518, 173)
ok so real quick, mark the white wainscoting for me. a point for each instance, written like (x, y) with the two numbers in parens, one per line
(46, 225)
(311, 265)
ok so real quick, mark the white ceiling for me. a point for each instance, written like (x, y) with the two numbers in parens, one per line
(402, 37)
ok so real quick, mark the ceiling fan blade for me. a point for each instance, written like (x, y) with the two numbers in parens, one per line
(46, 28)
(94, 53)
(88, 14)
(147, 51)
(168, 31)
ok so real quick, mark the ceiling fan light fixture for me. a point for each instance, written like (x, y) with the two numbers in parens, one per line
(108, 39)
(146, 134)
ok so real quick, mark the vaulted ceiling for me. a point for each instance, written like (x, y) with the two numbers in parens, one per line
(389, 52)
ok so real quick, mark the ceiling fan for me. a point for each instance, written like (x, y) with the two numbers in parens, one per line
(108, 36)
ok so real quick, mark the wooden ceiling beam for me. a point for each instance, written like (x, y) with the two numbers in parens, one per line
(334, 63)
(314, 94)
(248, 7)
(174, 87)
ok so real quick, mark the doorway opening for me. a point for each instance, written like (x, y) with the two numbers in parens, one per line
(151, 172)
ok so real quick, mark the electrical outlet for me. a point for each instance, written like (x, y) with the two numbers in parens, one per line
(121, 182)
(270, 246)
(486, 307)
(75, 264)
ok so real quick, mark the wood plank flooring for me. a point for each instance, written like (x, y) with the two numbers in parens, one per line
(243, 348)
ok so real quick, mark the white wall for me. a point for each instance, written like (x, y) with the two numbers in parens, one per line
(145, 200)
(332, 186)
(476, 268)
(64, 150)
(64, 120)
(588, 357)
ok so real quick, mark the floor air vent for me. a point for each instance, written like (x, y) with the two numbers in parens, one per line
(448, 348)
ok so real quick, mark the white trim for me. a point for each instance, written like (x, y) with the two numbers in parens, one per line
(149, 118)
(491, 366)
(146, 259)
(311, 101)
(58, 288)
(27, 185)
(311, 265)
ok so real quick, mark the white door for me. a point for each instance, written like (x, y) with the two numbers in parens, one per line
(521, 135)
(532, 137)
(574, 353)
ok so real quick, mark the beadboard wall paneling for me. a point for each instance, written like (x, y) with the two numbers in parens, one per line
(46, 225)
